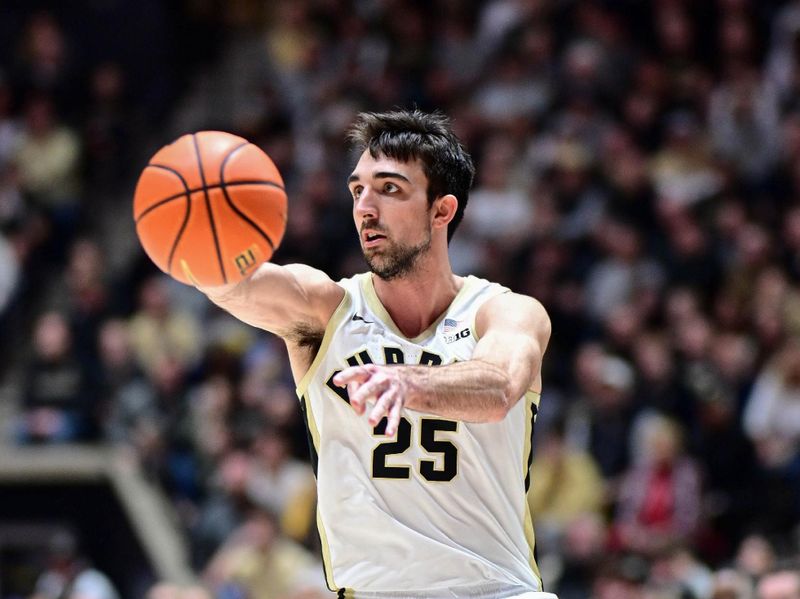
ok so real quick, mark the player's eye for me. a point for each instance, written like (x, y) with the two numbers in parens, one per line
(390, 187)
(356, 191)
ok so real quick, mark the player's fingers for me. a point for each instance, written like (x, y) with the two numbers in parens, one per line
(353, 373)
(352, 389)
(394, 418)
(382, 406)
(369, 390)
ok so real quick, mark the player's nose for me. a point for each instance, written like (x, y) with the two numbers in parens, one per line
(365, 206)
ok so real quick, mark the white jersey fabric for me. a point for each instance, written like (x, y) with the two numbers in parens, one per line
(439, 510)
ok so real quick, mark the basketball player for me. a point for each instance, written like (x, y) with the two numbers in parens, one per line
(419, 387)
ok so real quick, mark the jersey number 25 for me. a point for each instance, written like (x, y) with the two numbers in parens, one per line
(427, 439)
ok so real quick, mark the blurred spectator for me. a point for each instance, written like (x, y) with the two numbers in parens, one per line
(212, 427)
(83, 294)
(566, 485)
(731, 584)
(579, 201)
(718, 442)
(107, 133)
(659, 502)
(744, 121)
(683, 172)
(177, 461)
(160, 331)
(10, 129)
(583, 550)
(499, 208)
(281, 484)
(755, 556)
(69, 576)
(45, 62)
(781, 584)
(131, 414)
(624, 274)
(772, 414)
(57, 397)
(165, 590)
(47, 162)
(224, 507)
(9, 274)
(677, 572)
(511, 92)
(621, 578)
(258, 563)
(600, 420)
(658, 385)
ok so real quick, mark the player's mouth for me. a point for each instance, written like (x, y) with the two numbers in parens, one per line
(372, 239)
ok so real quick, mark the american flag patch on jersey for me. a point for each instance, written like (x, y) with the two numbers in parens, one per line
(449, 325)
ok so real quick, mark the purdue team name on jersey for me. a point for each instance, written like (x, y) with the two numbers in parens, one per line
(442, 504)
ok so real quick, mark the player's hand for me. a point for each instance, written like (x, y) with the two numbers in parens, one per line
(382, 385)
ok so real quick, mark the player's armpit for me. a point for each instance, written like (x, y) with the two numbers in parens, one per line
(281, 298)
(513, 332)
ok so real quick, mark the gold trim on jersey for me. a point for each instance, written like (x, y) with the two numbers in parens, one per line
(326, 555)
(311, 423)
(374, 302)
(336, 319)
(531, 398)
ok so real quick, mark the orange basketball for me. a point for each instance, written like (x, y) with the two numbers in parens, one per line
(209, 208)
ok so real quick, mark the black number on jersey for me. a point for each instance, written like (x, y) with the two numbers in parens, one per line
(427, 468)
(379, 467)
(427, 438)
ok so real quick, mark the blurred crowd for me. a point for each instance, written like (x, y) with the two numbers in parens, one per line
(638, 172)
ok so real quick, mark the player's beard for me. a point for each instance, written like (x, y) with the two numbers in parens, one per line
(396, 259)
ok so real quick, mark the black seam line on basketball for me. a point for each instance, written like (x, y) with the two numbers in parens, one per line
(233, 206)
(208, 208)
(177, 196)
(185, 194)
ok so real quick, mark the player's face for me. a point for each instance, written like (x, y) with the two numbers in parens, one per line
(391, 212)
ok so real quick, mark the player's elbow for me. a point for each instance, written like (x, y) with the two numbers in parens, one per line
(502, 401)
(497, 413)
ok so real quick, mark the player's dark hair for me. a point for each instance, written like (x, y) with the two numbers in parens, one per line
(407, 135)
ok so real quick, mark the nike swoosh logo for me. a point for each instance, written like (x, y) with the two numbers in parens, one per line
(362, 319)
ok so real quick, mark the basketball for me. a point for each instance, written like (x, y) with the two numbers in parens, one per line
(209, 208)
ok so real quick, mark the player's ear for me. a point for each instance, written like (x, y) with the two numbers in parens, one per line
(443, 210)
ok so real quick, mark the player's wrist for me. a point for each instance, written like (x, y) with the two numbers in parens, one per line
(216, 292)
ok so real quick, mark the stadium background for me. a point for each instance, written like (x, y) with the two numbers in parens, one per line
(638, 172)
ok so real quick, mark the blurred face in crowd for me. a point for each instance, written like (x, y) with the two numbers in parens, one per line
(755, 556)
(52, 337)
(653, 357)
(391, 213)
(780, 585)
(154, 298)
(663, 443)
(114, 342)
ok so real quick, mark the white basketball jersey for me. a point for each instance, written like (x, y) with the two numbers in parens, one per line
(440, 509)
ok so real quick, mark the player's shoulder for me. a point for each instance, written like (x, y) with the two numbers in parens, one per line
(318, 288)
(309, 274)
(514, 309)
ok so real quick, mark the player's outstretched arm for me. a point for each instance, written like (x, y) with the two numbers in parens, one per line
(513, 333)
(286, 300)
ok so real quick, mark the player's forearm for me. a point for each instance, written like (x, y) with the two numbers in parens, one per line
(473, 391)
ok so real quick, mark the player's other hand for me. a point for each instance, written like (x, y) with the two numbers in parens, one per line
(382, 386)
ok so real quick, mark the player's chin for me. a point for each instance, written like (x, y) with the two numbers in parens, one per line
(372, 253)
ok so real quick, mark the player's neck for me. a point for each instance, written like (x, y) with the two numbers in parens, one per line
(416, 300)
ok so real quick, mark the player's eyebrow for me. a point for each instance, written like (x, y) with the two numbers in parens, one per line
(380, 175)
(390, 175)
